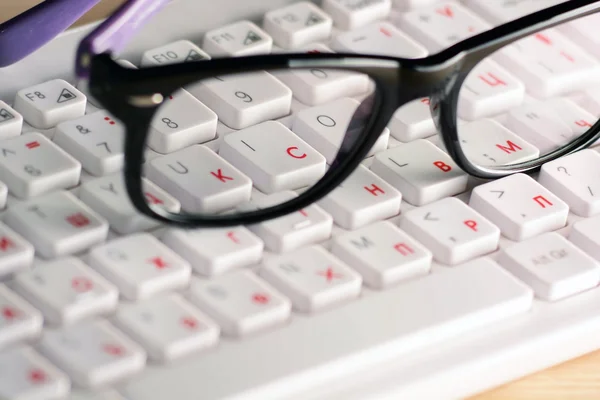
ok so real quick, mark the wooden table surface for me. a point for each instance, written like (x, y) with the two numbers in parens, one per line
(577, 379)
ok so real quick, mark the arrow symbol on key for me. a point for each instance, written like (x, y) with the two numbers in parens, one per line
(500, 192)
(429, 218)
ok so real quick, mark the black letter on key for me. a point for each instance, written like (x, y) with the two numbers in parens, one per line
(184, 170)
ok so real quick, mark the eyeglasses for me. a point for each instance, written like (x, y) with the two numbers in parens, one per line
(264, 170)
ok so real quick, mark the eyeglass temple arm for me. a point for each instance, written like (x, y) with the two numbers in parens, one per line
(27, 32)
(114, 33)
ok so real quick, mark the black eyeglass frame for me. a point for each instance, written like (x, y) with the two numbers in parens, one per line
(134, 95)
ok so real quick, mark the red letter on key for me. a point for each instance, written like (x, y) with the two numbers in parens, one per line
(374, 189)
(511, 147)
(219, 175)
(403, 249)
(5, 243)
(231, 236)
(290, 152)
(541, 200)
(152, 199)
(492, 79)
(543, 38)
(443, 166)
(583, 123)
(446, 12)
(471, 224)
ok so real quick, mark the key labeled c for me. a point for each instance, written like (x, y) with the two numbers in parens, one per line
(291, 152)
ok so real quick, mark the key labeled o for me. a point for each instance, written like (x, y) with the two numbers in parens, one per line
(326, 120)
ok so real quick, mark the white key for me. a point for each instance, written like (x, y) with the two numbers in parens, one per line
(452, 231)
(297, 25)
(351, 14)
(93, 353)
(307, 226)
(499, 12)
(215, 251)
(383, 254)
(66, 290)
(312, 278)
(241, 303)
(57, 224)
(590, 100)
(585, 235)
(420, 171)
(140, 266)
(180, 122)
(200, 179)
(421, 314)
(487, 143)
(32, 165)
(541, 126)
(108, 197)
(441, 25)
(244, 99)
(573, 179)
(95, 140)
(361, 199)
(179, 51)
(552, 266)
(321, 85)
(24, 374)
(578, 119)
(167, 326)
(549, 64)
(11, 122)
(273, 157)
(242, 38)
(519, 206)
(48, 104)
(16, 253)
(18, 319)
(489, 90)
(324, 127)
(412, 121)
(381, 38)
(583, 32)
(405, 5)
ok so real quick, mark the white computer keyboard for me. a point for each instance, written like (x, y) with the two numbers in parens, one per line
(98, 302)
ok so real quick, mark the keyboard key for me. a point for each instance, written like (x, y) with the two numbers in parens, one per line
(16, 253)
(11, 122)
(48, 104)
(489, 90)
(24, 374)
(590, 100)
(412, 121)
(66, 290)
(452, 231)
(319, 86)
(292, 231)
(486, 142)
(573, 179)
(552, 266)
(549, 64)
(57, 224)
(181, 122)
(441, 25)
(18, 320)
(383, 254)
(312, 278)
(108, 197)
(245, 99)
(95, 140)
(240, 303)
(585, 235)
(583, 31)
(167, 326)
(93, 353)
(361, 199)
(324, 127)
(499, 12)
(140, 266)
(420, 171)
(217, 185)
(297, 25)
(358, 336)
(273, 157)
(578, 119)
(351, 14)
(32, 165)
(519, 206)
(177, 52)
(215, 251)
(241, 38)
(404, 5)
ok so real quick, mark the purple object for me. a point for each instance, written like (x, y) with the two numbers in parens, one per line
(32, 29)
(112, 35)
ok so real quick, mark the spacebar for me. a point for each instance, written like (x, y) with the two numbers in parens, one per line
(314, 349)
